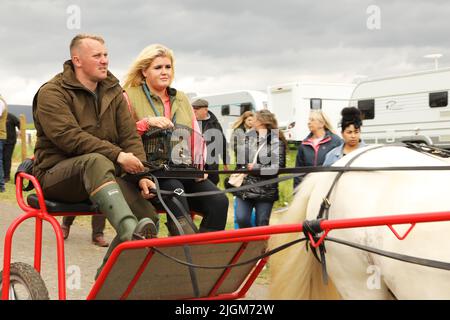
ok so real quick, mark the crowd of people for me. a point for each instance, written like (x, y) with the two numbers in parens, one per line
(89, 138)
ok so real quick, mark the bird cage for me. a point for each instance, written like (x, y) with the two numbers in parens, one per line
(172, 147)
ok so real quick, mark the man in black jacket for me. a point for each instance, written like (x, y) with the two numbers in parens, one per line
(216, 143)
(12, 122)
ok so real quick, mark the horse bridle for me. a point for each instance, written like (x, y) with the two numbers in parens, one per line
(313, 228)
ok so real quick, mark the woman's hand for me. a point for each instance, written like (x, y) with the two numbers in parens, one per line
(205, 176)
(159, 122)
(146, 185)
(250, 166)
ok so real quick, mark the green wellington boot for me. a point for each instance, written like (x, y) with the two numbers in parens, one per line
(112, 203)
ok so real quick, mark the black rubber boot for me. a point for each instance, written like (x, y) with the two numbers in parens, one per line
(203, 230)
(185, 226)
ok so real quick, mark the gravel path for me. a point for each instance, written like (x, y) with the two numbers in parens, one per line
(82, 258)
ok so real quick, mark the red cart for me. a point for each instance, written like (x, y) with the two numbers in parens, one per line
(223, 263)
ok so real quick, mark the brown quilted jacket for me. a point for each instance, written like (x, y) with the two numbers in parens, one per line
(71, 121)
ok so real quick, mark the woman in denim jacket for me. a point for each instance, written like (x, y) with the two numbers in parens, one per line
(351, 133)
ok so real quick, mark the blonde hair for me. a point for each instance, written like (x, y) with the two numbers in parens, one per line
(242, 119)
(134, 76)
(321, 116)
(76, 41)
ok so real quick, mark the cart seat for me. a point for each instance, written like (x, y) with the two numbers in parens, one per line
(55, 206)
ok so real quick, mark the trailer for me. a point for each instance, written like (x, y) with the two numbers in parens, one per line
(229, 106)
(406, 108)
(292, 103)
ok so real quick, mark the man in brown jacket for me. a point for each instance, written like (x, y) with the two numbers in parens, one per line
(86, 140)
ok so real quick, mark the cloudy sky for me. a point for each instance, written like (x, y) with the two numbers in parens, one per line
(226, 45)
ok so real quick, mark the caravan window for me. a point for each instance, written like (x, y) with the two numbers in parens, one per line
(367, 108)
(233, 110)
(315, 104)
(246, 107)
(438, 99)
(225, 110)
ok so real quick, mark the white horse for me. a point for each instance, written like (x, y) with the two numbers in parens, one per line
(356, 274)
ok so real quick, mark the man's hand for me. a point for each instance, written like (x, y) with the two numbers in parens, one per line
(145, 185)
(159, 122)
(130, 163)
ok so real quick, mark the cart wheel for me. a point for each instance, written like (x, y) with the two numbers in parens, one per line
(25, 283)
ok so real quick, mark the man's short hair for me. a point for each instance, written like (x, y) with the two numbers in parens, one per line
(77, 40)
(200, 103)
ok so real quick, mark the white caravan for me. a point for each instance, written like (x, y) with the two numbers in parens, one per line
(292, 103)
(406, 108)
(228, 106)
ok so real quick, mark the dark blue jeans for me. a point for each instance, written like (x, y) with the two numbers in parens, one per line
(2, 175)
(244, 209)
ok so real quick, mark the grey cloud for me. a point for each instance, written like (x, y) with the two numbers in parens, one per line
(275, 39)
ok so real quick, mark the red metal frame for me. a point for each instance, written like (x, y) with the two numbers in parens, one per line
(40, 215)
(241, 235)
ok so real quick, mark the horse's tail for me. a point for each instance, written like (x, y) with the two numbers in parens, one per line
(295, 273)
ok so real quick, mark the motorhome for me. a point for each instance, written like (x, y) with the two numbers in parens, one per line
(228, 106)
(292, 103)
(406, 108)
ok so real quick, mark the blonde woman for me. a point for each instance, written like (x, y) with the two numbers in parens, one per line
(242, 125)
(245, 121)
(157, 105)
(314, 148)
(240, 128)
